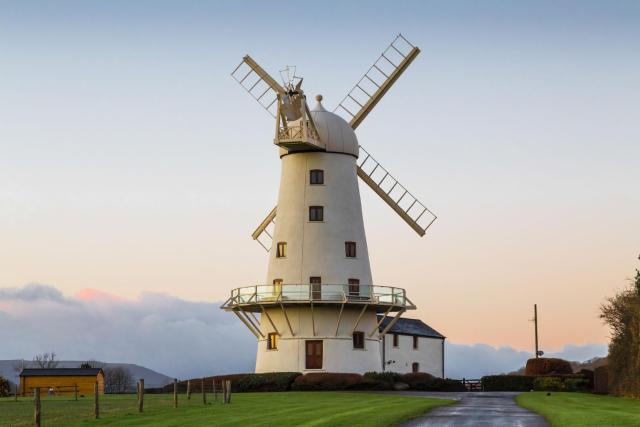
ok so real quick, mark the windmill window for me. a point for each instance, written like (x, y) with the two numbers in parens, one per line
(350, 249)
(272, 341)
(316, 177)
(415, 343)
(316, 287)
(396, 338)
(358, 340)
(281, 250)
(415, 367)
(316, 213)
(354, 288)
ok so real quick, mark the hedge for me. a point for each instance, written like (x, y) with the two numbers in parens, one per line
(5, 387)
(507, 383)
(333, 381)
(427, 382)
(547, 366)
(272, 381)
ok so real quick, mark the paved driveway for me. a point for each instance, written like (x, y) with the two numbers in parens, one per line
(477, 409)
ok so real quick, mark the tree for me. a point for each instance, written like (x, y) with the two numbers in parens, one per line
(45, 360)
(117, 379)
(622, 313)
(92, 364)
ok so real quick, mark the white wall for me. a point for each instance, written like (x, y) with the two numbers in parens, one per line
(317, 248)
(338, 352)
(428, 355)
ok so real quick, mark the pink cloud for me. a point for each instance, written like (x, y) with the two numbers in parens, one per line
(89, 294)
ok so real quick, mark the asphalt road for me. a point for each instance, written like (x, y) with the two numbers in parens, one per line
(477, 409)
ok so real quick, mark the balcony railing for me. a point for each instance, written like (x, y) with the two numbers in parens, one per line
(322, 293)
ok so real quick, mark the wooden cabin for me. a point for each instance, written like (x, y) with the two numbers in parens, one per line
(61, 381)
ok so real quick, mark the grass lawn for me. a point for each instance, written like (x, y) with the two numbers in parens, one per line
(582, 409)
(246, 409)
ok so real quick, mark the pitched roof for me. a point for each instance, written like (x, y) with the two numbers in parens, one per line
(60, 372)
(406, 326)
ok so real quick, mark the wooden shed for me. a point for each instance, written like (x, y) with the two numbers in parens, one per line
(61, 381)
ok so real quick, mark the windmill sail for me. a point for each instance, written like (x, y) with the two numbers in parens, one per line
(410, 209)
(266, 229)
(260, 85)
(378, 80)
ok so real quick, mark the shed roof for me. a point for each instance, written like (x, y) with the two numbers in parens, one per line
(60, 372)
(405, 326)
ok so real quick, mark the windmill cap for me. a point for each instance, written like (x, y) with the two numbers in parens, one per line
(336, 134)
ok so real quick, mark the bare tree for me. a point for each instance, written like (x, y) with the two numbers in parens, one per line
(117, 379)
(45, 360)
(91, 363)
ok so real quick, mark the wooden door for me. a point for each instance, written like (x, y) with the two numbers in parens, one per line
(314, 354)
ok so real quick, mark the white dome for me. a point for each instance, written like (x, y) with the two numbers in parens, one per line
(335, 133)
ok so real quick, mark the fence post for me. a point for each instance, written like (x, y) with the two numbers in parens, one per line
(36, 404)
(175, 392)
(75, 392)
(141, 395)
(188, 389)
(204, 395)
(96, 403)
(223, 389)
(227, 396)
(16, 393)
(215, 395)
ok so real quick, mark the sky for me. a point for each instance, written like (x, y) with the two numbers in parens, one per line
(132, 164)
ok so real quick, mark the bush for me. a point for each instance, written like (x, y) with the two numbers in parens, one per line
(5, 387)
(548, 384)
(384, 378)
(332, 381)
(577, 384)
(507, 383)
(275, 381)
(547, 366)
(427, 382)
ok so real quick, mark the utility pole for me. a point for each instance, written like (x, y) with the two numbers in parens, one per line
(535, 322)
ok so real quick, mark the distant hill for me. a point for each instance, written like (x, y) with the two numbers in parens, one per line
(152, 379)
(590, 364)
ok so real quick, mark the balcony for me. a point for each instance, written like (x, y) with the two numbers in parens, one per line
(254, 298)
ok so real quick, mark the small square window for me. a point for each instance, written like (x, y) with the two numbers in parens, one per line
(316, 213)
(358, 340)
(272, 341)
(281, 250)
(350, 249)
(316, 177)
(415, 343)
(395, 340)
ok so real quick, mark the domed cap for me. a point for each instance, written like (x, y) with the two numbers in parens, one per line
(334, 131)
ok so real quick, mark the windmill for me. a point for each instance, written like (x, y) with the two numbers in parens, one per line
(319, 299)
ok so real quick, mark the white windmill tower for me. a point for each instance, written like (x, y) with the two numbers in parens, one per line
(319, 307)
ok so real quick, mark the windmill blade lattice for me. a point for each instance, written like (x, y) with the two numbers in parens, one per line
(260, 85)
(377, 80)
(410, 209)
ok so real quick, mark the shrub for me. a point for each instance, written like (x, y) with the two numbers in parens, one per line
(576, 384)
(427, 382)
(387, 378)
(507, 383)
(5, 387)
(548, 384)
(275, 381)
(332, 381)
(547, 366)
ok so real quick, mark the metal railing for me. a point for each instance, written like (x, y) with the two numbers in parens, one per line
(265, 294)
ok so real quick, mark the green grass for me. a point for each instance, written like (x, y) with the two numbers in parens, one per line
(246, 409)
(582, 409)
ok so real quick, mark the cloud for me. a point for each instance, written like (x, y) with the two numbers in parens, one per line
(176, 337)
(179, 338)
(476, 360)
